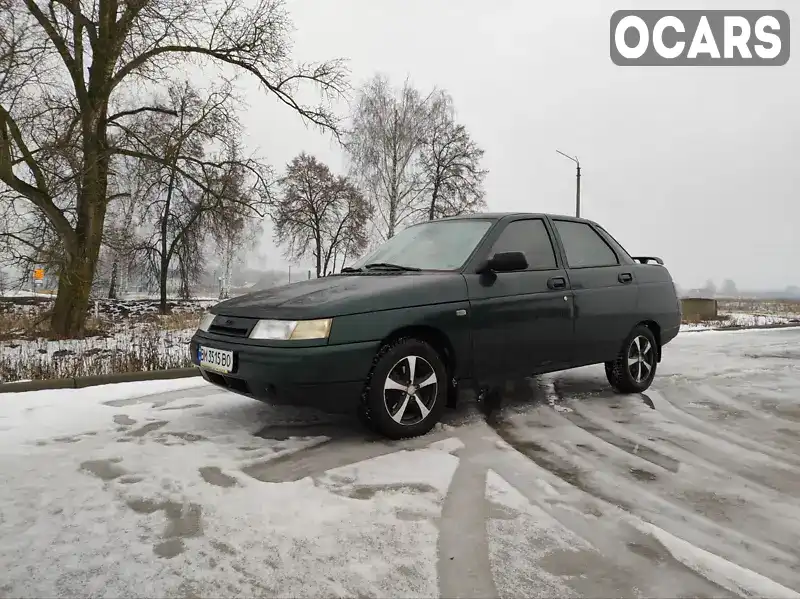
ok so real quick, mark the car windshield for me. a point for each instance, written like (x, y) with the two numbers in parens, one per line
(435, 245)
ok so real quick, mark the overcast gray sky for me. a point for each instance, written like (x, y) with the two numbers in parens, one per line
(698, 165)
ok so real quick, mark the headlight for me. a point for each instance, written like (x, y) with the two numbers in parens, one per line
(205, 321)
(285, 330)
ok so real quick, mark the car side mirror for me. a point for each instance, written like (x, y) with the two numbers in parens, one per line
(504, 262)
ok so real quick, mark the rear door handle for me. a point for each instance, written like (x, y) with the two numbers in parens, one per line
(625, 277)
(557, 283)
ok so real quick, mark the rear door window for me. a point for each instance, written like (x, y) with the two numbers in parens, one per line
(583, 246)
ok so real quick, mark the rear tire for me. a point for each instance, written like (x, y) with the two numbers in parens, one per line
(635, 367)
(407, 390)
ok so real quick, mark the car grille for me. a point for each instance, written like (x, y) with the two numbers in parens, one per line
(232, 326)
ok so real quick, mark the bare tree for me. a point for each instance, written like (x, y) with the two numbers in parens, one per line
(729, 289)
(319, 214)
(384, 143)
(26, 239)
(195, 185)
(709, 289)
(450, 163)
(235, 235)
(130, 184)
(69, 75)
(235, 230)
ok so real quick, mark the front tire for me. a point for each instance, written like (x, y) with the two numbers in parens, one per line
(406, 392)
(635, 367)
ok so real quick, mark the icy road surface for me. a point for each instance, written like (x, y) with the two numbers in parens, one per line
(179, 490)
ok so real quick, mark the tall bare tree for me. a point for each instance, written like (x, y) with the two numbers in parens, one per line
(387, 133)
(201, 180)
(69, 75)
(319, 214)
(235, 236)
(130, 184)
(450, 163)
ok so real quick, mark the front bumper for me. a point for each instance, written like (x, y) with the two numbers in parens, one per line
(328, 377)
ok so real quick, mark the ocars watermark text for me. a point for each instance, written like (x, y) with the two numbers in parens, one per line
(700, 37)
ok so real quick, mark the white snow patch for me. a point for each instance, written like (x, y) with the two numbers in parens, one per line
(35, 415)
(449, 445)
(726, 574)
(154, 501)
(442, 427)
(500, 444)
(519, 541)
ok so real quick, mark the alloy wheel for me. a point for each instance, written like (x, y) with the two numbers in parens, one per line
(410, 390)
(641, 358)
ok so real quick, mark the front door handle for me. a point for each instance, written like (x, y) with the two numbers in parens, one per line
(557, 283)
(625, 277)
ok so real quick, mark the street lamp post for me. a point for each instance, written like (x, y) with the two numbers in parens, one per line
(577, 182)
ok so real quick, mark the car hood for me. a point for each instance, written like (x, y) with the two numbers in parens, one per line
(341, 295)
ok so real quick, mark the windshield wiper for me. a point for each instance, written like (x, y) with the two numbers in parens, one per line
(351, 269)
(389, 265)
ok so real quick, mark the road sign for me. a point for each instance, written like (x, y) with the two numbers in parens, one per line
(38, 274)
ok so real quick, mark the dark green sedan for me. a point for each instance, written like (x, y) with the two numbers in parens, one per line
(475, 300)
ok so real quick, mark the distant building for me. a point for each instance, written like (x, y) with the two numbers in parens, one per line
(696, 309)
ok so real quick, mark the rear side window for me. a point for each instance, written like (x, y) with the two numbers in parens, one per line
(530, 237)
(584, 247)
(615, 244)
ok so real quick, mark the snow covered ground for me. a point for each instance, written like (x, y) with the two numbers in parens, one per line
(743, 319)
(176, 489)
(125, 336)
(751, 313)
(137, 348)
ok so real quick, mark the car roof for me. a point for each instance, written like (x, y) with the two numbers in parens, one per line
(510, 215)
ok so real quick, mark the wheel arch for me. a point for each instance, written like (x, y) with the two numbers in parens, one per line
(436, 338)
(655, 328)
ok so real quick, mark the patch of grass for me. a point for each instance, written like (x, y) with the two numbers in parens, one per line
(120, 337)
(720, 319)
(30, 320)
(785, 308)
(35, 324)
(177, 321)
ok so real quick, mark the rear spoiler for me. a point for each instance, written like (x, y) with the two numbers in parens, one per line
(648, 259)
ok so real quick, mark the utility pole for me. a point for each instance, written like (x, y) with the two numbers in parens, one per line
(577, 182)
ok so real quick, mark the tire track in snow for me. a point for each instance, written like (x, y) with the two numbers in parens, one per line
(671, 449)
(531, 551)
(602, 556)
(616, 437)
(719, 494)
(773, 418)
(726, 440)
(605, 555)
(330, 453)
(463, 551)
(161, 399)
(592, 475)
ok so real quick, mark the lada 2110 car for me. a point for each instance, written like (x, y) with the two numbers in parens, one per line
(479, 299)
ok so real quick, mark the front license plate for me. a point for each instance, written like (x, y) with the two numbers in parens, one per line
(220, 360)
